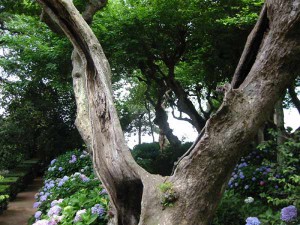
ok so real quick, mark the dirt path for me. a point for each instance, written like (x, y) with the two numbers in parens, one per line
(20, 210)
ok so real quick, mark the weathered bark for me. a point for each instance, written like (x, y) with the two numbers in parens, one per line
(82, 121)
(119, 173)
(201, 176)
(251, 49)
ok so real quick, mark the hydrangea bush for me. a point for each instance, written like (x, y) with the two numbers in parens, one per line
(71, 194)
(260, 187)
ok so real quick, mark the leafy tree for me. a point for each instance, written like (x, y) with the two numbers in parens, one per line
(180, 50)
(36, 92)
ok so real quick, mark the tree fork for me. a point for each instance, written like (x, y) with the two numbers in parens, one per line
(200, 177)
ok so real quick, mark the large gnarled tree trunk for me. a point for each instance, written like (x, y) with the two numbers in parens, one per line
(201, 176)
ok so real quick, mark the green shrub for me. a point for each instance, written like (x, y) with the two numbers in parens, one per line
(72, 195)
(68, 164)
(152, 159)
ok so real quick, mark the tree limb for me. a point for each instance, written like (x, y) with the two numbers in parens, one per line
(251, 49)
(294, 97)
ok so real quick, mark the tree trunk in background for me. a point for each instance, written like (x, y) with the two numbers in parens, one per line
(279, 122)
(161, 120)
(150, 123)
(162, 140)
(200, 177)
(260, 135)
(185, 105)
(294, 97)
(140, 125)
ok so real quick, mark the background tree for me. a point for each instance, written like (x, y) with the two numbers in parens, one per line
(36, 92)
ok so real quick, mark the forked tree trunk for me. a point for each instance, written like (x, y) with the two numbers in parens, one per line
(200, 177)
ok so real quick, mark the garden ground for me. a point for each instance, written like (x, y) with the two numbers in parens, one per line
(20, 210)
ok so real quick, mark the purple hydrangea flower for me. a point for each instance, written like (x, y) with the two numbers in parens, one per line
(78, 215)
(52, 222)
(84, 178)
(56, 202)
(98, 209)
(49, 185)
(252, 221)
(55, 210)
(289, 214)
(103, 192)
(73, 159)
(60, 168)
(62, 181)
(44, 197)
(37, 215)
(41, 222)
(53, 161)
(36, 205)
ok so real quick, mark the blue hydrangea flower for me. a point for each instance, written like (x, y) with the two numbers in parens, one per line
(36, 205)
(252, 221)
(37, 215)
(60, 168)
(73, 159)
(98, 209)
(103, 192)
(44, 197)
(53, 161)
(289, 214)
(84, 178)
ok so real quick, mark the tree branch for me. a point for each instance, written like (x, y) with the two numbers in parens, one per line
(294, 97)
(120, 174)
(251, 49)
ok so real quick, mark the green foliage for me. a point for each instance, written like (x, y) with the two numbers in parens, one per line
(246, 14)
(234, 210)
(169, 195)
(146, 154)
(156, 161)
(36, 91)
